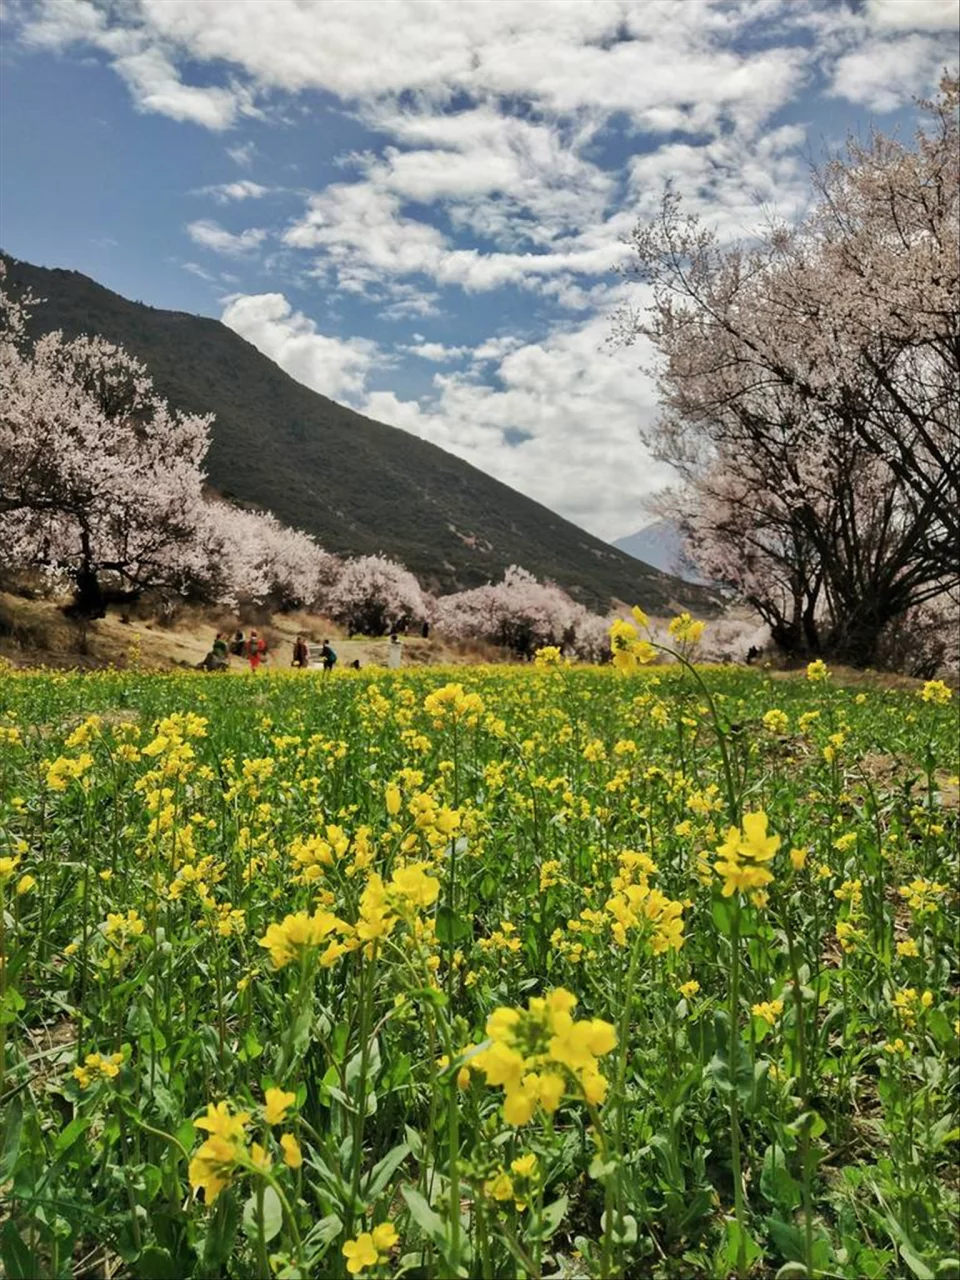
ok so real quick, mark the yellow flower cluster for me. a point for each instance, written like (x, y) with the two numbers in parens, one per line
(641, 906)
(225, 1152)
(937, 692)
(370, 1248)
(519, 1185)
(742, 858)
(629, 650)
(768, 1010)
(299, 933)
(686, 631)
(540, 1054)
(451, 704)
(909, 1004)
(96, 1067)
(65, 769)
(922, 896)
(776, 721)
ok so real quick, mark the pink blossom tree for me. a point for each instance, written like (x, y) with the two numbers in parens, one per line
(371, 594)
(523, 615)
(251, 556)
(810, 387)
(99, 478)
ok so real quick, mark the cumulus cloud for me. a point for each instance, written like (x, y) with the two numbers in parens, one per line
(914, 15)
(210, 235)
(884, 74)
(335, 367)
(435, 352)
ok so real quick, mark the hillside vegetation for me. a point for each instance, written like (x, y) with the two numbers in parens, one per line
(358, 486)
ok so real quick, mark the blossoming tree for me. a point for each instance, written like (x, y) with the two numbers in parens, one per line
(99, 478)
(372, 594)
(810, 386)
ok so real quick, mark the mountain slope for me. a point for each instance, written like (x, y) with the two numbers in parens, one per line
(359, 486)
(661, 545)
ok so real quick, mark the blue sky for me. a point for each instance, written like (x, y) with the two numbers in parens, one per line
(417, 207)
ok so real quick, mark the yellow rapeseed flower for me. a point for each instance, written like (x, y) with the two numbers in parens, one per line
(276, 1105)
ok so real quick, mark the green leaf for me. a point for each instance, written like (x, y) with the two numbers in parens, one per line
(18, 1262)
(428, 1221)
(718, 1071)
(735, 1238)
(326, 1230)
(71, 1134)
(812, 1121)
(11, 1138)
(155, 1263)
(788, 1239)
(272, 1215)
(251, 1048)
(450, 927)
(551, 1219)
(382, 1171)
(777, 1184)
(915, 1263)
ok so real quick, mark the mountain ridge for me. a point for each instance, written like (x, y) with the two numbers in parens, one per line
(359, 486)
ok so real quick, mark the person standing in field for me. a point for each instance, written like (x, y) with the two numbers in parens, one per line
(301, 656)
(395, 651)
(256, 649)
(329, 656)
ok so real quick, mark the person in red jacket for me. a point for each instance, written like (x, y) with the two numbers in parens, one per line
(256, 649)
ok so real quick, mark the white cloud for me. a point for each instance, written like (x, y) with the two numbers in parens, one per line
(884, 74)
(242, 154)
(436, 352)
(334, 367)
(210, 235)
(729, 182)
(195, 269)
(660, 61)
(242, 189)
(140, 59)
(915, 15)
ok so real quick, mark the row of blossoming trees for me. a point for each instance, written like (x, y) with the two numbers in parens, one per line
(102, 489)
(810, 386)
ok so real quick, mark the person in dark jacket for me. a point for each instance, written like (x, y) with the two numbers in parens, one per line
(301, 655)
(329, 656)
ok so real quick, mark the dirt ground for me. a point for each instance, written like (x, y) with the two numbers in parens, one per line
(35, 633)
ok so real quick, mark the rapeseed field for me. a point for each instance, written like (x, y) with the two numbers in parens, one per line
(646, 970)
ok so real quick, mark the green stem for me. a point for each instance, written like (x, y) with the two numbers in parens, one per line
(3, 989)
(734, 1097)
(454, 1141)
(366, 995)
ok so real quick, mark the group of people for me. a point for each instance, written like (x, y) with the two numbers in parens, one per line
(255, 649)
(252, 647)
(301, 654)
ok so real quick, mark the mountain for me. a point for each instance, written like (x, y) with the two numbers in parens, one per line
(661, 545)
(358, 486)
